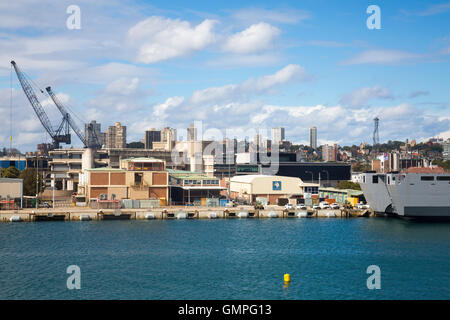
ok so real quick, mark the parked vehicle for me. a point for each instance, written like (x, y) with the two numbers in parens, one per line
(301, 207)
(289, 206)
(362, 206)
(334, 206)
(316, 206)
(324, 205)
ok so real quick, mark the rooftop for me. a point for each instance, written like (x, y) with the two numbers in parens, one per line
(105, 169)
(351, 192)
(143, 159)
(249, 178)
(183, 174)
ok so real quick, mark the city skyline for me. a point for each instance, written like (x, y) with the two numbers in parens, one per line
(250, 66)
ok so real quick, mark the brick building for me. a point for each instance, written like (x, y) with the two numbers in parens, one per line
(137, 179)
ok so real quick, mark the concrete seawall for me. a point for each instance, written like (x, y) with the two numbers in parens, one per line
(244, 212)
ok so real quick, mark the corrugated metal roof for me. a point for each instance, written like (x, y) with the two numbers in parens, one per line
(10, 180)
(183, 174)
(348, 191)
(249, 178)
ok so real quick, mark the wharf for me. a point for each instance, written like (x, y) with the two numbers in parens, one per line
(168, 213)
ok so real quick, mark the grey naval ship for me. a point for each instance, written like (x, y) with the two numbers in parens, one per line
(409, 195)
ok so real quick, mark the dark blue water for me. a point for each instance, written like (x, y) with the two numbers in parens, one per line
(225, 259)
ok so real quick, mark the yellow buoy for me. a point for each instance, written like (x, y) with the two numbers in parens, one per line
(287, 277)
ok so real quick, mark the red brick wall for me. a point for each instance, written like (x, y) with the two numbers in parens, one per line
(96, 191)
(118, 178)
(159, 178)
(99, 178)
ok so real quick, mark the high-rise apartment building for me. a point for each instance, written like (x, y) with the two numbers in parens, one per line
(192, 133)
(330, 153)
(151, 136)
(116, 136)
(278, 135)
(93, 134)
(168, 134)
(446, 150)
(313, 137)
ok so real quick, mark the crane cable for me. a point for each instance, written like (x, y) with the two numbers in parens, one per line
(45, 94)
(10, 110)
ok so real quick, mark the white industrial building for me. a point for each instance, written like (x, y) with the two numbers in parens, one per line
(250, 187)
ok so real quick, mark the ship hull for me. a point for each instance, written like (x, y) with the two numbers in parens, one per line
(415, 196)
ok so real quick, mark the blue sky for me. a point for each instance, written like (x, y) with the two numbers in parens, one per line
(238, 66)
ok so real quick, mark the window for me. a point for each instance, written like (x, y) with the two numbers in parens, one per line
(138, 178)
(374, 179)
(443, 178)
(427, 178)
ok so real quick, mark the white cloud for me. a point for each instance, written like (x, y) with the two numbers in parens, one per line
(160, 110)
(291, 72)
(285, 15)
(240, 92)
(444, 135)
(123, 86)
(159, 38)
(122, 95)
(362, 96)
(418, 93)
(383, 57)
(256, 38)
(399, 112)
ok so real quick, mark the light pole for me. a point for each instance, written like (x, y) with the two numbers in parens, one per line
(37, 181)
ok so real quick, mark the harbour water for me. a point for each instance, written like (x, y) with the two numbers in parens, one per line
(225, 259)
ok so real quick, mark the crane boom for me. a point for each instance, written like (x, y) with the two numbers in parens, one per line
(72, 123)
(66, 114)
(39, 110)
(33, 100)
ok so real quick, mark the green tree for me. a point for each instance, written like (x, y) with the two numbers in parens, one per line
(348, 185)
(361, 167)
(443, 164)
(136, 145)
(29, 182)
(11, 172)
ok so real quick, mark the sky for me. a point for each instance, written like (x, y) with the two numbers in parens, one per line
(236, 67)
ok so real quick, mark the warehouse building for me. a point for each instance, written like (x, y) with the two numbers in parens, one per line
(271, 188)
(136, 179)
(11, 193)
(198, 189)
(342, 195)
